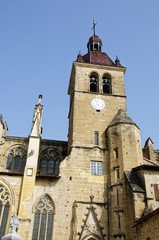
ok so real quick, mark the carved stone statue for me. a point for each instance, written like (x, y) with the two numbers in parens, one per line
(36, 124)
(3, 132)
(14, 225)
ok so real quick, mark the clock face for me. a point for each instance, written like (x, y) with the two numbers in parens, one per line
(98, 104)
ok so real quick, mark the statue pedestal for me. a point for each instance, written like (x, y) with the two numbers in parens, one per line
(12, 236)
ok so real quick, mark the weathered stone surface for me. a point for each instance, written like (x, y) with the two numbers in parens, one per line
(87, 205)
(121, 117)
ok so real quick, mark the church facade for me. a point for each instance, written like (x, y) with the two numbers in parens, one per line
(101, 184)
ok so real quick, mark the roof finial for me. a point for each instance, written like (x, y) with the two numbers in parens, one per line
(40, 97)
(79, 57)
(117, 61)
(94, 24)
(79, 54)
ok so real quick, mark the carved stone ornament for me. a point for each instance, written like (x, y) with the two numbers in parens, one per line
(36, 124)
(14, 223)
(91, 226)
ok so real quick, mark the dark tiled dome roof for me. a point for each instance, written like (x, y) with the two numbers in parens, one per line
(94, 38)
(95, 54)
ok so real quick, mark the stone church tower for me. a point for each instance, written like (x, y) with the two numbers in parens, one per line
(96, 185)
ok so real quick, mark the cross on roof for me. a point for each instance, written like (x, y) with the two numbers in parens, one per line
(94, 24)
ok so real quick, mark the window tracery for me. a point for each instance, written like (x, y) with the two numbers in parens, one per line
(43, 219)
(4, 209)
(16, 159)
(50, 162)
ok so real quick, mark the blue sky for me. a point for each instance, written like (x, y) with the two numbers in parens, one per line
(39, 40)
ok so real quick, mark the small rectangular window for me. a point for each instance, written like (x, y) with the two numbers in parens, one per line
(116, 152)
(156, 189)
(117, 174)
(117, 197)
(119, 223)
(96, 168)
(96, 140)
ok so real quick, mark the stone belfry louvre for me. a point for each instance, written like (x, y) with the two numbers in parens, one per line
(101, 184)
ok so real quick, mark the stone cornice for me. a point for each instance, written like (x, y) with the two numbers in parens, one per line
(99, 66)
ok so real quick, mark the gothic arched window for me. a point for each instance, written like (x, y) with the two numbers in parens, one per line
(94, 83)
(4, 209)
(43, 219)
(50, 162)
(106, 83)
(16, 159)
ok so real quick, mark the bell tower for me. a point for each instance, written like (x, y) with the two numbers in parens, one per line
(104, 142)
(96, 92)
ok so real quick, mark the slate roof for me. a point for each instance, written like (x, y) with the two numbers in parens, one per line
(147, 167)
(146, 218)
(134, 182)
(149, 139)
(121, 117)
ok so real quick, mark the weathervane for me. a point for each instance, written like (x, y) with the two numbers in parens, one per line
(94, 24)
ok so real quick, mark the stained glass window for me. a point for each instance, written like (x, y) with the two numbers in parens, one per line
(4, 209)
(16, 159)
(49, 162)
(43, 219)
